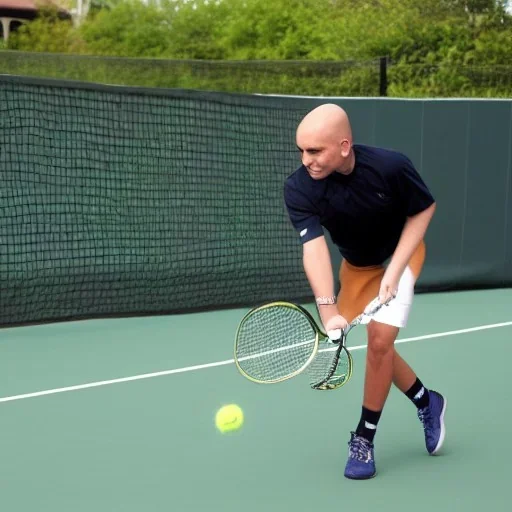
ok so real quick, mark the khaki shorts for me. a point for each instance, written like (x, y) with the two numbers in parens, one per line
(360, 285)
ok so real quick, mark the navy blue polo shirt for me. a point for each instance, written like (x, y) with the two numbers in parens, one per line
(364, 211)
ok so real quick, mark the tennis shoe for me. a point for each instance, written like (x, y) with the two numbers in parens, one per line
(361, 462)
(432, 418)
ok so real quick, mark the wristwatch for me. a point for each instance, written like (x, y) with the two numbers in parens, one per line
(325, 301)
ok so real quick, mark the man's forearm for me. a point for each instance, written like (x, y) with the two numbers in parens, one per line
(318, 268)
(412, 234)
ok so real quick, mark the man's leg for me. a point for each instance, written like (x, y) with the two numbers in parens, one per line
(430, 404)
(358, 287)
(403, 375)
(379, 364)
(381, 351)
(385, 366)
(378, 380)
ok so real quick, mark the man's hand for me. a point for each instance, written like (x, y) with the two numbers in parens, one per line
(332, 321)
(388, 288)
(334, 326)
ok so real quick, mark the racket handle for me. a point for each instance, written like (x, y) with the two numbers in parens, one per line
(334, 334)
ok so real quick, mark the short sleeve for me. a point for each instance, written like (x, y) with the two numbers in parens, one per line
(302, 214)
(411, 189)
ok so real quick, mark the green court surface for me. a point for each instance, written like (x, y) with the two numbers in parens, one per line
(89, 424)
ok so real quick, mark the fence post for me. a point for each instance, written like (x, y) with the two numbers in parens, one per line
(383, 76)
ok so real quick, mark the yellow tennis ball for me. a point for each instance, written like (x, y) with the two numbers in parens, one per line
(229, 418)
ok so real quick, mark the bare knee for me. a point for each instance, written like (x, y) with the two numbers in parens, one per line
(381, 340)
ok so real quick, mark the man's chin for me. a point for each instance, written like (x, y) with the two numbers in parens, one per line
(318, 175)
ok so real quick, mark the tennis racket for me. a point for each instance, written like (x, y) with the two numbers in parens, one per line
(332, 366)
(279, 340)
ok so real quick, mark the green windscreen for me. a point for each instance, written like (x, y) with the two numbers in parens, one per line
(116, 203)
(119, 200)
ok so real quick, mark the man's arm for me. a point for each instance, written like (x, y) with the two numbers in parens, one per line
(318, 269)
(412, 234)
(315, 254)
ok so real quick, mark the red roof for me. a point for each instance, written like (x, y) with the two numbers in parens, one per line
(26, 5)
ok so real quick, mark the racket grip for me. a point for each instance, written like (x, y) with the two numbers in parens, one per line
(334, 334)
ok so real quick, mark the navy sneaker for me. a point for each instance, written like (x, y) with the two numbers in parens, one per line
(361, 463)
(432, 418)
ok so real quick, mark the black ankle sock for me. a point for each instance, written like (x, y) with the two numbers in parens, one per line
(418, 394)
(368, 424)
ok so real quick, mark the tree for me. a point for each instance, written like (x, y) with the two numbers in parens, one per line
(47, 33)
(128, 28)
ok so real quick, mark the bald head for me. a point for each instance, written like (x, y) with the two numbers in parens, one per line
(325, 123)
(324, 138)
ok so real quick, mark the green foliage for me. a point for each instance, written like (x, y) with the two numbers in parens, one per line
(47, 33)
(282, 77)
(197, 29)
(435, 47)
(276, 29)
(129, 29)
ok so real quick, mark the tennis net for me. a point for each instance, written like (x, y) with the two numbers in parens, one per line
(120, 201)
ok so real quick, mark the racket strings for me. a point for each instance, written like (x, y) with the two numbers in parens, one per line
(330, 368)
(275, 342)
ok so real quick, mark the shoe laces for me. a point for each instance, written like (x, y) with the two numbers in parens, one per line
(360, 449)
(425, 417)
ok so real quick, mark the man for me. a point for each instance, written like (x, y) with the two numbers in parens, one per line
(377, 209)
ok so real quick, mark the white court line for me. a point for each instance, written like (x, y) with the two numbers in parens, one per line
(228, 361)
(274, 350)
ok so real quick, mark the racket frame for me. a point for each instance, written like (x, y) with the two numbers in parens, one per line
(316, 330)
(324, 385)
(370, 310)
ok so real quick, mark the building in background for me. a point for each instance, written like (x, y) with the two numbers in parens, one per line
(15, 12)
